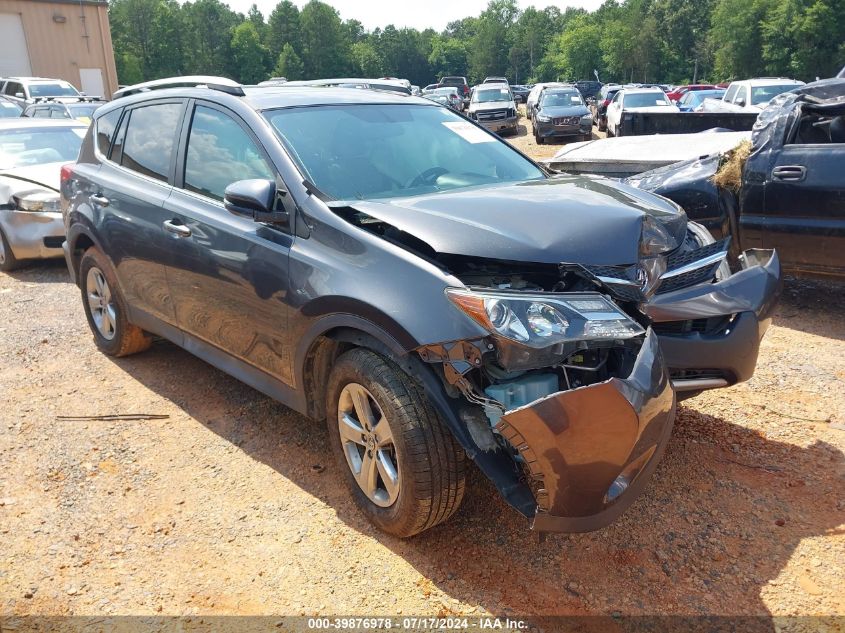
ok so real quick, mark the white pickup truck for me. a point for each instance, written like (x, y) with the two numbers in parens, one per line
(751, 95)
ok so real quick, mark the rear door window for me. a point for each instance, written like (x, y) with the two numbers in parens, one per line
(219, 153)
(151, 138)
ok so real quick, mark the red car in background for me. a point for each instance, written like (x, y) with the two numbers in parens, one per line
(680, 91)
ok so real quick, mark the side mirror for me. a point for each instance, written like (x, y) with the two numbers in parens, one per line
(740, 102)
(256, 200)
(19, 95)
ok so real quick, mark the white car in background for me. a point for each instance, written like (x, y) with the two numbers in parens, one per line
(636, 100)
(751, 95)
(24, 90)
(32, 153)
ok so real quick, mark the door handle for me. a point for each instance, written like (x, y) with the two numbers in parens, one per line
(179, 230)
(100, 201)
(793, 173)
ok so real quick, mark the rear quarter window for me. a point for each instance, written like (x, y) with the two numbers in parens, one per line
(105, 128)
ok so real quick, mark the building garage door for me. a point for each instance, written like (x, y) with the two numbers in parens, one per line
(14, 61)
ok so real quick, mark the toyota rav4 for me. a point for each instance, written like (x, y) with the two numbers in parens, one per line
(381, 263)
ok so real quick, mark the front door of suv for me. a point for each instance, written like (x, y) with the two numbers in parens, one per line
(228, 274)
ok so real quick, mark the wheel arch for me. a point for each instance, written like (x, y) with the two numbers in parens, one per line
(331, 336)
(80, 238)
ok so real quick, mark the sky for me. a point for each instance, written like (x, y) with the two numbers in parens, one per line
(419, 14)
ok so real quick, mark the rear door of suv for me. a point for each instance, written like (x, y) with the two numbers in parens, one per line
(127, 192)
(228, 274)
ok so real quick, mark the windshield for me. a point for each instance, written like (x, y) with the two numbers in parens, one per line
(561, 99)
(52, 90)
(488, 95)
(645, 100)
(24, 147)
(383, 151)
(764, 94)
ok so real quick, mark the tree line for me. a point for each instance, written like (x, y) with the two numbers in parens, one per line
(631, 40)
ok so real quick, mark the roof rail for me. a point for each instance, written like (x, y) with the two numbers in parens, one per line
(221, 84)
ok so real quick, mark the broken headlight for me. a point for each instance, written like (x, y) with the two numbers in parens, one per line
(540, 321)
(38, 201)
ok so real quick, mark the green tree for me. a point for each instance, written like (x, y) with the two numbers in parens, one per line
(367, 60)
(248, 53)
(325, 45)
(147, 37)
(737, 39)
(575, 53)
(448, 57)
(283, 28)
(289, 65)
(490, 46)
(209, 24)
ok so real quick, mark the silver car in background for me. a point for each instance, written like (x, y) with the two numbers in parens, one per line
(493, 107)
(32, 153)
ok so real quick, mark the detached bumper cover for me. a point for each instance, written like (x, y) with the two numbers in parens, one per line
(591, 450)
(750, 295)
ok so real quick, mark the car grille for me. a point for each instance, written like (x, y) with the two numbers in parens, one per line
(494, 115)
(567, 120)
(683, 270)
(693, 267)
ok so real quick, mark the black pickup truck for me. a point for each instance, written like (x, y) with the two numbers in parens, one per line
(792, 191)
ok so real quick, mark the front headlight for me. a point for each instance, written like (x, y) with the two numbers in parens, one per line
(543, 118)
(541, 321)
(38, 201)
(587, 118)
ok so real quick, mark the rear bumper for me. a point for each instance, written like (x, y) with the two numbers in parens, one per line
(33, 235)
(591, 450)
(719, 359)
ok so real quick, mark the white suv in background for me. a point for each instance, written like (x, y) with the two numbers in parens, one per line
(24, 90)
(751, 95)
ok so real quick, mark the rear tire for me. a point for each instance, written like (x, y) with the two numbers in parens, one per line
(106, 309)
(8, 261)
(421, 452)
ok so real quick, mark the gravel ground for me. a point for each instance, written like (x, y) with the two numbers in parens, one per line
(232, 504)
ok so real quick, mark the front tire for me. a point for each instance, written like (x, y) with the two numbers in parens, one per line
(106, 310)
(401, 464)
(8, 261)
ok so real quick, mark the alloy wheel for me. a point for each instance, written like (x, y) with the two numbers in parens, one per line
(368, 445)
(101, 303)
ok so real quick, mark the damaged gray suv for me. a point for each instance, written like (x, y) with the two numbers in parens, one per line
(381, 263)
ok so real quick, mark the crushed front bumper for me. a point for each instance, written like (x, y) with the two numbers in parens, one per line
(704, 360)
(33, 234)
(591, 450)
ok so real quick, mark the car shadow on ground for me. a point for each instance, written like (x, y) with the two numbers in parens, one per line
(42, 271)
(723, 514)
(813, 306)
